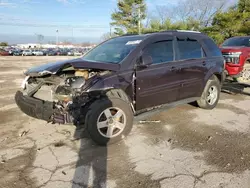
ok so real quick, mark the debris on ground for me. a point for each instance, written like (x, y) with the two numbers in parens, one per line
(169, 140)
(209, 138)
(23, 133)
(59, 144)
(149, 121)
(64, 173)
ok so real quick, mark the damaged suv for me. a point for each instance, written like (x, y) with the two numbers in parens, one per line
(123, 77)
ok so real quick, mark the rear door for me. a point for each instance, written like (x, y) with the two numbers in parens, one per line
(158, 83)
(193, 65)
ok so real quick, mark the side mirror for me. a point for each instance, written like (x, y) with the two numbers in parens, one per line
(145, 60)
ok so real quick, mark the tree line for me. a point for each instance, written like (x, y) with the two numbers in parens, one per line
(216, 18)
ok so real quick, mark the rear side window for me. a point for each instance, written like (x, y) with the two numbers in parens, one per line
(212, 47)
(189, 49)
(161, 52)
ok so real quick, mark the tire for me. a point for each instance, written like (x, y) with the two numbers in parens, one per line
(95, 112)
(203, 102)
(246, 69)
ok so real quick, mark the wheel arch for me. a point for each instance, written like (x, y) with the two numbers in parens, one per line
(112, 92)
(212, 73)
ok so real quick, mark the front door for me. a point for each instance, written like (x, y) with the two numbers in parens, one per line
(159, 82)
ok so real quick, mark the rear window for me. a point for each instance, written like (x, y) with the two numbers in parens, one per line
(189, 49)
(212, 47)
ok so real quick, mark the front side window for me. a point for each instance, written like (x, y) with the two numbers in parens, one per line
(189, 49)
(161, 52)
(114, 50)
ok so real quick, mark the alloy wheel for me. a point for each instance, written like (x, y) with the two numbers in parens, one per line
(111, 122)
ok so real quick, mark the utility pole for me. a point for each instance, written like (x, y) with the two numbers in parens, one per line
(139, 19)
(137, 11)
(110, 31)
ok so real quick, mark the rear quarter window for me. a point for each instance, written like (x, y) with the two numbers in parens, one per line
(213, 49)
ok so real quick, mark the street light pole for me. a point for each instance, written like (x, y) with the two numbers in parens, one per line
(72, 35)
(57, 37)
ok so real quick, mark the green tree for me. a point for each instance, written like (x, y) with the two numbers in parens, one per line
(127, 18)
(234, 22)
(225, 25)
(3, 44)
(155, 25)
(244, 9)
(244, 6)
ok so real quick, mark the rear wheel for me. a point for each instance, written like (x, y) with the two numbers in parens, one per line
(109, 120)
(211, 94)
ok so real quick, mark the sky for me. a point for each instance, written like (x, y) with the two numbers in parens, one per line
(72, 18)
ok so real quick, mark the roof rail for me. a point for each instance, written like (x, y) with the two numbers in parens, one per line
(129, 34)
(191, 31)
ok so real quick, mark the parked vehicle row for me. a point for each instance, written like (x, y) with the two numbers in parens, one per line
(43, 52)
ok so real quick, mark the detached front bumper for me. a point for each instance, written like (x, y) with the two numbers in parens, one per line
(34, 107)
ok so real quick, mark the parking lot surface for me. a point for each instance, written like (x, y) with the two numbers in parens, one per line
(181, 147)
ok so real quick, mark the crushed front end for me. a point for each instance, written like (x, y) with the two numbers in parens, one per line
(57, 98)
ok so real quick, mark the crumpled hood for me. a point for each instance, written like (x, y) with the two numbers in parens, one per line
(53, 68)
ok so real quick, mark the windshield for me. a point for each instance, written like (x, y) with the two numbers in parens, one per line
(239, 41)
(114, 50)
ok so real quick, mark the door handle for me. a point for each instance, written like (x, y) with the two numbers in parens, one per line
(204, 63)
(172, 69)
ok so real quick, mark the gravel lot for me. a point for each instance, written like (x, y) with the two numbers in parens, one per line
(186, 147)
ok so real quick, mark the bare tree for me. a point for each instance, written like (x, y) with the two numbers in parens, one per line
(107, 36)
(200, 10)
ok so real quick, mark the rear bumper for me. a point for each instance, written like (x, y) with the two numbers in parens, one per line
(34, 107)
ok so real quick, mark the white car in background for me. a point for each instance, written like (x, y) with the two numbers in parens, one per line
(37, 53)
(70, 53)
(76, 53)
(27, 53)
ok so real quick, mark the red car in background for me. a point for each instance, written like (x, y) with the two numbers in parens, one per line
(236, 51)
(3, 52)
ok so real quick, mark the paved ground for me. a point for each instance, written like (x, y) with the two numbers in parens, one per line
(188, 148)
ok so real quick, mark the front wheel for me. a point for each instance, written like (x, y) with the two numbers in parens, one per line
(211, 94)
(109, 120)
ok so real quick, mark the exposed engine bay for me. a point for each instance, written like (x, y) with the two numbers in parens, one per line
(66, 90)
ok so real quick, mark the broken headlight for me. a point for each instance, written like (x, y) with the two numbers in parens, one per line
(75, 82)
